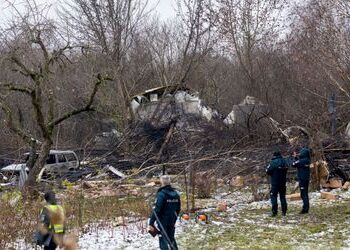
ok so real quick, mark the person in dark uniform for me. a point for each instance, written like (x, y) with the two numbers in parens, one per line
(51, 223)
(165, 213)
(302, 163)
(277, 169)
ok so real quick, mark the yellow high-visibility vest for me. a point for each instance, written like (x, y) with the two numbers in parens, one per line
(57, 212)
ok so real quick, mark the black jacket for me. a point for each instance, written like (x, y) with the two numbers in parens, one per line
(302, 163)
(277, 169)
(167, 206)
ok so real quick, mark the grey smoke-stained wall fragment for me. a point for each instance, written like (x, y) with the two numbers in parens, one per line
(249, 110)
(164, 104)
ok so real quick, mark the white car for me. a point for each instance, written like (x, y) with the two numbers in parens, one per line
(57, 161)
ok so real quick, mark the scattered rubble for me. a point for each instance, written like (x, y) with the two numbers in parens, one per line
(222, 206)
(346, 185)
(335, 183)
(294, 197)
(329, 196)
(116, 172)
(237, 181)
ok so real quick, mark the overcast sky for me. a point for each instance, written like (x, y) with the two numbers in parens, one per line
(164, 8)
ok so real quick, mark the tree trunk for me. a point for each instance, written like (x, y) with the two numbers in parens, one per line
(193, 187)
(31, 184)
(32, 154)
(187, 193)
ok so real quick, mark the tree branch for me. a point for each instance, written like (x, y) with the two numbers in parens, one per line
(86, 108)
(25, 71)
(11, 125)
(13, 87)
(40, 42)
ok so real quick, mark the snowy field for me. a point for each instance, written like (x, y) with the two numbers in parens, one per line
(133, 236)
(245, 225)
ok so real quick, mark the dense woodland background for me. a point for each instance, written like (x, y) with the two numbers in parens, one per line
(291, 56)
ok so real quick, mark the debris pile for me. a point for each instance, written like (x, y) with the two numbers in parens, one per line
(161, 105)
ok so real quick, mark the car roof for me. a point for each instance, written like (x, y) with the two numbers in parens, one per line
(58, 152)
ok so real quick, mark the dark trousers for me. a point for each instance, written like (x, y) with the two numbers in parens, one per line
(304, 194)
(281, 190)
(164, 242)
(51, 246)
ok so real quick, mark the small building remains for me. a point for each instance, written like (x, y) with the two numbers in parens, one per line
(248, 111)
(162, 105)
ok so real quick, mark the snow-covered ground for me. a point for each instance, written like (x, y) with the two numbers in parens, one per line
(243, 217)
(132, 236)
(128, 237)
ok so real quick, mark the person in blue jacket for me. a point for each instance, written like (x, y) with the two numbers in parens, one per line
(277, 169)
(302, 163)
(165, 213)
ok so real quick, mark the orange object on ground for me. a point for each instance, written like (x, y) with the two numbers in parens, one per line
(185, 217)
(202, 217)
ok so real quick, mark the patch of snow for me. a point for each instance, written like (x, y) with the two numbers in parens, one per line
(132, 236)
(218, 223)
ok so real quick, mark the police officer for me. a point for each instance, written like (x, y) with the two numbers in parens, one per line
(51, 223)
(302, 163)
(277, 169)
(165, 213)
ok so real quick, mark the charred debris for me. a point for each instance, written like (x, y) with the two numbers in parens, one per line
(172, 130)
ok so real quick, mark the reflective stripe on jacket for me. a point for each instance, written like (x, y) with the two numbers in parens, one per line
(56, 216)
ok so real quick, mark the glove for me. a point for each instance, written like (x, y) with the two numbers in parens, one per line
(152, 230)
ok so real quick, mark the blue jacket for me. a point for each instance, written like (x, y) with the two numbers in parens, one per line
(302, 163)
(277, 169)
(167, 206)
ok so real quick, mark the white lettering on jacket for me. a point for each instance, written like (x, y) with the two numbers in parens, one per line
(173, 200)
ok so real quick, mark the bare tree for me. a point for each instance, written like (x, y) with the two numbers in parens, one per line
(319, 48)
(180, 45)
(248, 26)
(198, 27)
(109, 28)
(327, 27)
(36, 57)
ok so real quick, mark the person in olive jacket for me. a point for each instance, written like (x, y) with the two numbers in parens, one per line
(302, 163)
(277, 169)
(165, 213)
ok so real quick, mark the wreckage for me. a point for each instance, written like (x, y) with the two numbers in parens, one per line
(162, 105)
(172, 123)
(249, 108)
(173, 127)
